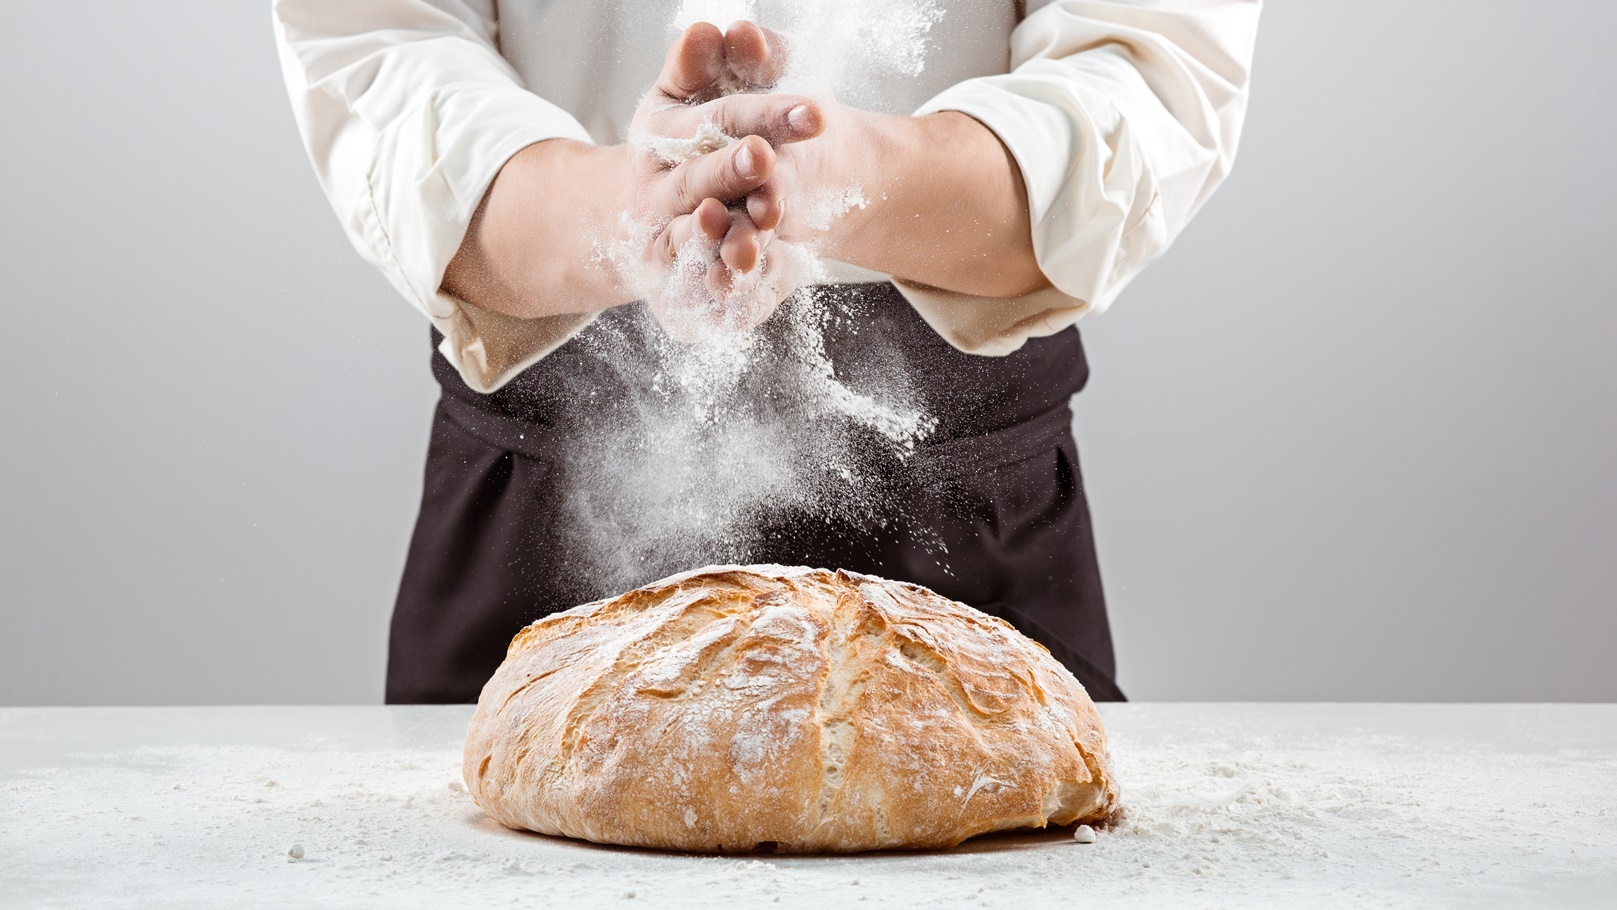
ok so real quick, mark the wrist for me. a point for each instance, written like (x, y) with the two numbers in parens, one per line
(566, 181)
(867, 161)
(612, 181)
(528, 251)
(877, 160)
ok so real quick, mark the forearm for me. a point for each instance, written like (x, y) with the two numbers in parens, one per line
(530, 250)
(946, 206)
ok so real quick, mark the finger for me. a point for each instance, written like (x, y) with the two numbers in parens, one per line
(741, 295)
(727, 175)
(744, 243)
(781, 273)
(766, 205)
(721, 280)
(726, 284)
(779, 119)
(695, 61)
(749, 298)
(711, 221)
(713, 218)
(737, 288)
(755, 54)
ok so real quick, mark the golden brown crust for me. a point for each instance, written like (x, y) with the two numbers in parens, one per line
(734, 708)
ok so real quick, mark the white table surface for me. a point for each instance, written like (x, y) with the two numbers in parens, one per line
(1230, 805)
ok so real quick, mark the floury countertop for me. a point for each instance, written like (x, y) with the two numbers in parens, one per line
(1229, 805)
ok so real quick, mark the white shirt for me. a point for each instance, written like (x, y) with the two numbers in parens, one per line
(1123, 116)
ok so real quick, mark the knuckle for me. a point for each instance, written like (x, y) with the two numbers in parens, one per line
(727, 114)
(683, 190)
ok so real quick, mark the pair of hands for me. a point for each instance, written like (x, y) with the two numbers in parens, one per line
(947, 206)
(703, 224)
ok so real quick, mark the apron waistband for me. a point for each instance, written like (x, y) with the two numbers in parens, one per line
(929, 466)
(502, 432)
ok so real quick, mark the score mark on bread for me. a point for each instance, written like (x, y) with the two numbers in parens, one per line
(732, 709)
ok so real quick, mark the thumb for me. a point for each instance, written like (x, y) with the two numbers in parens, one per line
(695, 61)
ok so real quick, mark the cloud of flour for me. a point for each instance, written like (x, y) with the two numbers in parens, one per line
(717, 443)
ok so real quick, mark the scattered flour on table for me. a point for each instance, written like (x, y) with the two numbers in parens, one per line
(1213, 819)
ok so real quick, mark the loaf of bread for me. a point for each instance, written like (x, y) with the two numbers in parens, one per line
(735, 709)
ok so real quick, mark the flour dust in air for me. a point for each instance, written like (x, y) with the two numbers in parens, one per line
(720, 451)
(721, 445)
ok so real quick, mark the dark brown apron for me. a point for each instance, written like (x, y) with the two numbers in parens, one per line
(989, 510)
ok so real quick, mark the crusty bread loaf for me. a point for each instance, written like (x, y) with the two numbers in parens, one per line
(764, 707)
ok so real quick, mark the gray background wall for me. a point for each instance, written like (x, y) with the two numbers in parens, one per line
(1354, 438)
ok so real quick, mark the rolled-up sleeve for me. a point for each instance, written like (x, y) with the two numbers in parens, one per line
(1123, 117)
(408, 112)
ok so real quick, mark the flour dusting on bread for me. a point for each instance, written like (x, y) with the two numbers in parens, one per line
(767, 707)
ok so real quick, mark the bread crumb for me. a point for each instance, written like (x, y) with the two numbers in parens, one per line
(295, 853)
(1084, 834)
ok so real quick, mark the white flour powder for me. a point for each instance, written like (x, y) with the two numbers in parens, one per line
(671, 150)
(718, 439)
(1228, 806)
(702, 457)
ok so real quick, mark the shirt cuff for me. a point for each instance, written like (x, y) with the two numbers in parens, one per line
(992, 326)
(426, 182)
(489, 349)
(1087, 228)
